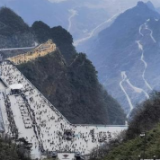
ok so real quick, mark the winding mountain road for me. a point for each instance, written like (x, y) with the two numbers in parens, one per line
(136, 89)
(140, 30)
(73, 14)
(151, 32)
(20, 48)
(11, 49)
(140, 46)
(94, 31)
(124, 78)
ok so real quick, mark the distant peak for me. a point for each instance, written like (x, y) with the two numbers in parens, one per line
(147, 5)
(140, 3)
(150, 5)
(149, 2)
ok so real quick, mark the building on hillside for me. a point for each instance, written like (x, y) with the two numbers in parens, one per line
(16, 88)
(68, 135)
(65, 156)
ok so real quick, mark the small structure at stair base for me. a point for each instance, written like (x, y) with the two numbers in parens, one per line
(16, 88)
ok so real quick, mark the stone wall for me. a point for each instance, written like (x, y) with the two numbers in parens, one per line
(39, 51)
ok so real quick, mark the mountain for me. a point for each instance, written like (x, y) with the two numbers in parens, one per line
(150, 5)
(126, 56)
(13, 30)
(78, 84)
(84, 19)
(73, 89)
(71, 84)
(67, 78)
(59, 35)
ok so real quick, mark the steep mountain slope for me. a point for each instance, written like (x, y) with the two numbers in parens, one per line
(41, 30)
(151, 6)
(14, 32)
(126, 55)
(73, 89)
(60, 36)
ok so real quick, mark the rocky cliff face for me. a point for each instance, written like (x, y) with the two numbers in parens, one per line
(73, 89)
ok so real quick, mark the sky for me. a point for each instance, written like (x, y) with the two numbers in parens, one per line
(156, 2)
(111, 6)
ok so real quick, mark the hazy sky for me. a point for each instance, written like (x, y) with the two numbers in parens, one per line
(113, 2)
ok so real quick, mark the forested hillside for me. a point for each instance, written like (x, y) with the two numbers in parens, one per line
(59, 35)
(11, 151)
(141, 137)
